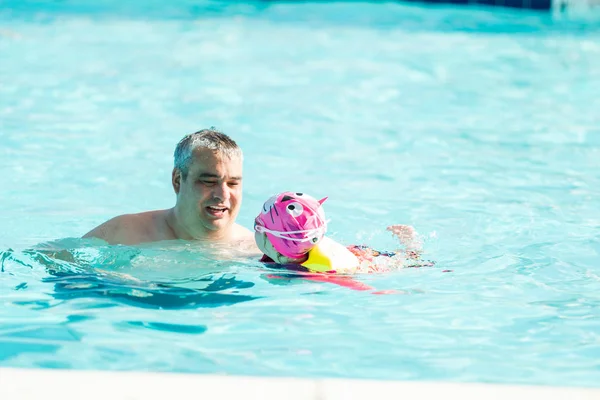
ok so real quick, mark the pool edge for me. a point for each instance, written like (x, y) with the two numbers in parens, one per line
(26, 384)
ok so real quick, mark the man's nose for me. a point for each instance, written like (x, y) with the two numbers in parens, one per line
(222, 192)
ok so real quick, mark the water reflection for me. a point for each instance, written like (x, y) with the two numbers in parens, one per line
(154, 295)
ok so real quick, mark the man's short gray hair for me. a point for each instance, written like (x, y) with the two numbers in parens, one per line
(211, 139)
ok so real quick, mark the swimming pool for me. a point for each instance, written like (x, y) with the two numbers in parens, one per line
(478, 127)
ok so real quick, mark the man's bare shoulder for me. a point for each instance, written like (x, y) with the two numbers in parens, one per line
(239, 232)
(244, 238)
(131, 228)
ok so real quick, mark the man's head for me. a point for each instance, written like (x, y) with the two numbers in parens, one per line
(207, 178)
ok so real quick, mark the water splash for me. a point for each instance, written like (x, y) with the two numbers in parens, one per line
(83, 271)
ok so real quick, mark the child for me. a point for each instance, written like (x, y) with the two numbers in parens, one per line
(290, 230)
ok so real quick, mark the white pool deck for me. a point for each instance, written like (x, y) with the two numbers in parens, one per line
(27, 384)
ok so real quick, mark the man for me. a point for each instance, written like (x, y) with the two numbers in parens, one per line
(207, 179)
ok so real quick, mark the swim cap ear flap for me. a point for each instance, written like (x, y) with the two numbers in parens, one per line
(322, 200)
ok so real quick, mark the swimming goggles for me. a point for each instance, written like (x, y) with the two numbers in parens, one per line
(309, 234)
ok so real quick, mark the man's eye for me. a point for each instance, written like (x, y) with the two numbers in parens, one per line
(233, 183)
(208, 183)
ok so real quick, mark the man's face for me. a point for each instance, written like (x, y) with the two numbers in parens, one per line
(209, 198)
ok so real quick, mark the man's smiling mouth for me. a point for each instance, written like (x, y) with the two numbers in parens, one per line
(216, 211)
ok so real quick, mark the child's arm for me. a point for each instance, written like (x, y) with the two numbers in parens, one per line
(408, 237)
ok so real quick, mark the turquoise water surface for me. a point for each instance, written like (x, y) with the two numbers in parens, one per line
(479, 127)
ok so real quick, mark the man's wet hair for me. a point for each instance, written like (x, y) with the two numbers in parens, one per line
(211, 139)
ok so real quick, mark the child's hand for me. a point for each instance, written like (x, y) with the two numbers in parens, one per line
(408, 237)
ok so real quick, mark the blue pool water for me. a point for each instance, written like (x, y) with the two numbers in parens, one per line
(479, 127)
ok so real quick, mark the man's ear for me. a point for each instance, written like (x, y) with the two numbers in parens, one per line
(176, 180)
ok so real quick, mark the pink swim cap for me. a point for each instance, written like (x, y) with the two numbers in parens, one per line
(293, 222)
